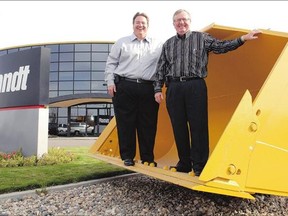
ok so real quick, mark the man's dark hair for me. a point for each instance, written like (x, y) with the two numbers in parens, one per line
(141, 14)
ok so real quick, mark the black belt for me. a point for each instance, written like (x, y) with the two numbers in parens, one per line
(182, 79)
(136, 80)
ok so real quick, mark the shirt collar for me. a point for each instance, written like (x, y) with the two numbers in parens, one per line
(133, 37)
(186, 35)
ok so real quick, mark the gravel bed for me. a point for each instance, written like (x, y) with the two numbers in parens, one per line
(140, 195)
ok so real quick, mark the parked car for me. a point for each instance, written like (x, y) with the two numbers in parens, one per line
(79, 128)
(62, 129)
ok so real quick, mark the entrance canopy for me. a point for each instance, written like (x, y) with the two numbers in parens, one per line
(78, 99)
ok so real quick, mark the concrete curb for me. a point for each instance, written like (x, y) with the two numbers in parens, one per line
(21, 194)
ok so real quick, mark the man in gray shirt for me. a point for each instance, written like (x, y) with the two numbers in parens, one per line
(129, 73)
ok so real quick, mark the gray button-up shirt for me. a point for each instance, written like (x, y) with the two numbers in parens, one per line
(132, 58)
(188, 56)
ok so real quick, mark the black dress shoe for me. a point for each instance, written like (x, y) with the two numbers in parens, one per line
(181, 169)
(129, 162)
(197, 172)
(152, 164)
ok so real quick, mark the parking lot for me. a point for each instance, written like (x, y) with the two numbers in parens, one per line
(71, 141)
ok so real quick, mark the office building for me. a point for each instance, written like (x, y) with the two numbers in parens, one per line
(77, 90)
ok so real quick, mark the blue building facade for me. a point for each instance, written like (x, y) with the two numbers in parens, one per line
(77, 69)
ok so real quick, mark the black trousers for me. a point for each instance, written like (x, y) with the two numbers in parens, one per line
(136, 112)
(187, 107)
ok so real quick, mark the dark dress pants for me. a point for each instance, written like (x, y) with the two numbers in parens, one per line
(136, 111)
(187, 107)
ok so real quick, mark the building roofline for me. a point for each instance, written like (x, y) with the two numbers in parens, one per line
(57, 43)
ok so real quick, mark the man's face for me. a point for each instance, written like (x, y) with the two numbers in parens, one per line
(182, 23)
(140, 26)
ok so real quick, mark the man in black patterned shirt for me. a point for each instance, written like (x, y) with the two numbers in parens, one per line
(182, 67)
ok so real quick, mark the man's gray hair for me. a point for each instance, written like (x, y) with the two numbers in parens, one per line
(180, 11)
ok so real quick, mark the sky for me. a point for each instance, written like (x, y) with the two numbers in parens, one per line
(34, 22)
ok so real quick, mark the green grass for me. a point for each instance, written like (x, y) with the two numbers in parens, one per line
(84, 168)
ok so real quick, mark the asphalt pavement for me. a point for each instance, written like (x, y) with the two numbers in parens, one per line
(58, 141)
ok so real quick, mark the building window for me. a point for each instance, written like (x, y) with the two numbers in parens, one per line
(82, 75)
(65, 85)
(67, 48)
(99, 56)
(66, 56)
(82, 47)
(66, 75)
(82, 56)
(53, 86)
(53, 76)
(82, 66)
(100, 47)
(98, 66)
(82, 85)
(98, 75)
(66, 66)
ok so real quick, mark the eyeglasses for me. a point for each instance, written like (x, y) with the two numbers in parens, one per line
(139, 23)
(182, 19)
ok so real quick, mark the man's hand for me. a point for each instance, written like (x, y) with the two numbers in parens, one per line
(158, 97)
(251, 35)
(111, 90)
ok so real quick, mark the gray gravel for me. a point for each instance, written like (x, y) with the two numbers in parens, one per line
(140, 195)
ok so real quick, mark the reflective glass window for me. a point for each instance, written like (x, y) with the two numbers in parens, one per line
(53, 85)
(98, 75)
(66, 66)
(66, 56)
(74, 111)
(52, 94)
(62, 120)
(65, 85)
(82, 76)
(78, 111)
(61, 93)
(81, 85)
(66, 47)
(54, 66)
(65, 75)
(82, 47)
(62, 112)
(54, 57)
(100, 47)
(98, 65)
(99, 56)
(53, 76)
(82, 66)
(82, 56)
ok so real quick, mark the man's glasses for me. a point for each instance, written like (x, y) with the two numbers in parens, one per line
(182, 19)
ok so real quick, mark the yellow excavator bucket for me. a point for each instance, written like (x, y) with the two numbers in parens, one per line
(248, 122)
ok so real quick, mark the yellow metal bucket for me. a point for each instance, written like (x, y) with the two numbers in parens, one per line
(248, 122)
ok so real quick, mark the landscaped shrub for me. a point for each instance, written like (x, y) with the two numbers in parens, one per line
(54, 156)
